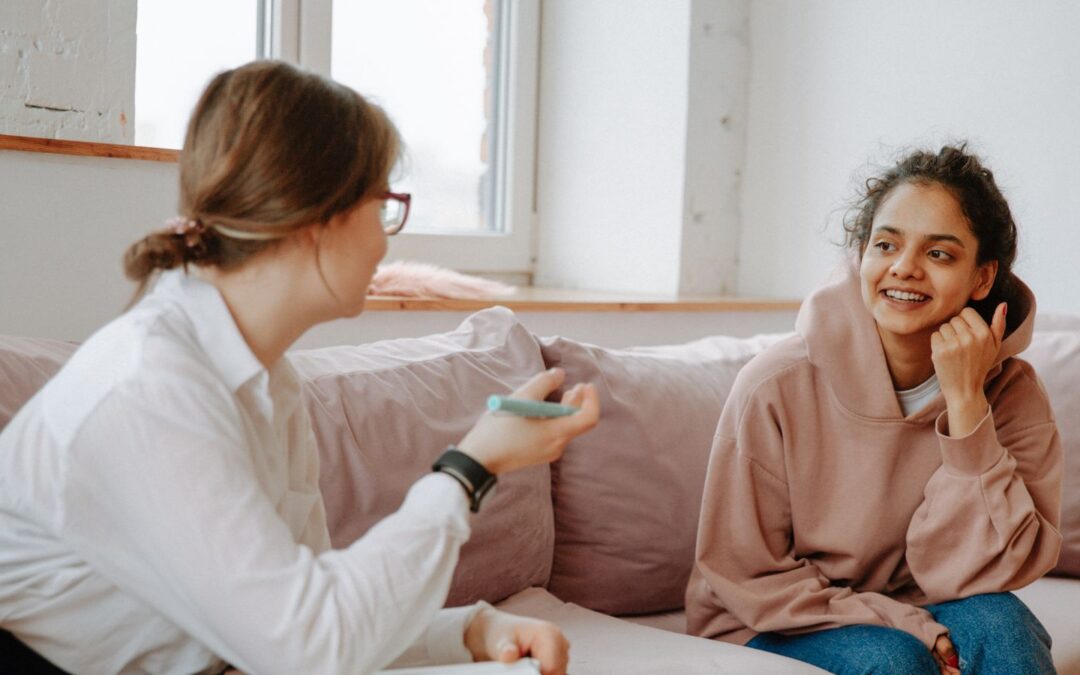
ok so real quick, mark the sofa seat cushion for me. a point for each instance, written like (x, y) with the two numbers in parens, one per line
(1052, 599)
(601, 644)
(382, 412)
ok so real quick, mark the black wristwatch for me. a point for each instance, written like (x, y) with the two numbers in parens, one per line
(472, 475)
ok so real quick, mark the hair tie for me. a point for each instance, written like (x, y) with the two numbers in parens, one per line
(190, 230)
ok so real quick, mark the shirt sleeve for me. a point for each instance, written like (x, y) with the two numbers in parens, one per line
(754, 579)
(160, 497)
(444, 640)
(990, 515)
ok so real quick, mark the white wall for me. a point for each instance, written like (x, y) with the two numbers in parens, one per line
(64, 225)
(833, 84)
(640, 144)
(67, 69)
(611, 162)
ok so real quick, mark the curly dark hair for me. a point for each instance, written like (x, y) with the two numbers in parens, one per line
(973, 186)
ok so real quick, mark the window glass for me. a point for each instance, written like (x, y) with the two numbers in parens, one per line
(430, 64)
(179, 47)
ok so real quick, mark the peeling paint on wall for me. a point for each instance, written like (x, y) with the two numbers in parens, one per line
(67, 69)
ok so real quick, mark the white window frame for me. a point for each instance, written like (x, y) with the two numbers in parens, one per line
(300, 31)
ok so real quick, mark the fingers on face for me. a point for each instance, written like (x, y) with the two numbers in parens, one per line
(974, 322)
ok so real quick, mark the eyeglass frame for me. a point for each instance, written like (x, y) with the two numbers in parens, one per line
(404, 198)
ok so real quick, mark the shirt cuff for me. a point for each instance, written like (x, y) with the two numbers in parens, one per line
(973, 454)
(446, 635)
(439, 499)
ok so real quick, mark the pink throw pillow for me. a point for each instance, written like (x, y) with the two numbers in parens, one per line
(628, 495)
(1055, 355)
(26, 364)
(383, 412)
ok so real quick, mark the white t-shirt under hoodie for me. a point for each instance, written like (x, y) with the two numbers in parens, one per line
(160, 512)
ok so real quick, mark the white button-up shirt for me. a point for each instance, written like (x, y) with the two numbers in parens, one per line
(160, 512)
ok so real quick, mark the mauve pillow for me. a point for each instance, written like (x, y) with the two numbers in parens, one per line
(627, 496)
(26, 364)
(383, 412)
(1055, 355)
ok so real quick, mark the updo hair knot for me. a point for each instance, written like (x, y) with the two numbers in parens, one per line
(191, 231)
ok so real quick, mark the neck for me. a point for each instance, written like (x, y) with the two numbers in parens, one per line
(267, 304)
(908, 358)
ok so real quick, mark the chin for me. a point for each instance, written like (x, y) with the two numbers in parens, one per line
(905, 325)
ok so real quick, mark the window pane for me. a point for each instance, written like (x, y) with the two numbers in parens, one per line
(428, 63)
(180, 46)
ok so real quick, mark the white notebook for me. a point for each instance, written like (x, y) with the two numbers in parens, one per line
(519, 667)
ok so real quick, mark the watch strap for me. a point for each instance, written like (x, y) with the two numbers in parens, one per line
(476, 480)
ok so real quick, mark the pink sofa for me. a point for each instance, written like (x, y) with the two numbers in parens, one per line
(602, 541)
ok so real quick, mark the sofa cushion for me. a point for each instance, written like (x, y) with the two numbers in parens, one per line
(601, 644)
(383, 412)
(627, 497)
(1055, 355)
(1053, 600)
(26, 364)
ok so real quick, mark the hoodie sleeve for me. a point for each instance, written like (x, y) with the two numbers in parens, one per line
(746, 574)
(990, 516)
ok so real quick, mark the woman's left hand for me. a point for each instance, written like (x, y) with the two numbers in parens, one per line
(963, 351)
(498, 636)
(945, 654)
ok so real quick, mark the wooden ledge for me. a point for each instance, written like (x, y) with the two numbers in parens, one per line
(87, 149)
(565, 300)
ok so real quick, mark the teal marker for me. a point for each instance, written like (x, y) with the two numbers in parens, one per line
(526, 408)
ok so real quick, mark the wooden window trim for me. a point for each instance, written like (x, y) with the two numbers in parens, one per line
(87, 149)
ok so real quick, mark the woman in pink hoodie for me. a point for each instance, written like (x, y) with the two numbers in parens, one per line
(881, 480)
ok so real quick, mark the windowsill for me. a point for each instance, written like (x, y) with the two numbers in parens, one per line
(564, 300)
(87, 148)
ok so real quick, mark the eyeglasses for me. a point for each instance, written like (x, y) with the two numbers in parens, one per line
(394, 211)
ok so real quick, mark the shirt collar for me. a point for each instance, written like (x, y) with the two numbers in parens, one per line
(215, 329)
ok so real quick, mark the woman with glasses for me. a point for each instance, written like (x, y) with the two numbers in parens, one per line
(159, 500)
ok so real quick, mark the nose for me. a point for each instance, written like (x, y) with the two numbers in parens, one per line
(906, 265)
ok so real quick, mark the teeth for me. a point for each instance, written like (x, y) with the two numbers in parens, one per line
(904, 295)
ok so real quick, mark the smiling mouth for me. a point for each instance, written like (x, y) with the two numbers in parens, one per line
(905, 296)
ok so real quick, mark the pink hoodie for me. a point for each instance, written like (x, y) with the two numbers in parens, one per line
(825, 507)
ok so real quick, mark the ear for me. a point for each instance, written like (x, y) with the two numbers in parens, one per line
(984, 280)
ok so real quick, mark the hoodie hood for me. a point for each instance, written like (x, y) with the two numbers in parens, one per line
(842, 341)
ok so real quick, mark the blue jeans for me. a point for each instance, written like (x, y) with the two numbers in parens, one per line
(992, 633)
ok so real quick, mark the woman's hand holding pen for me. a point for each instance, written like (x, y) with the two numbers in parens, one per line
(504, 442)
(963, 351)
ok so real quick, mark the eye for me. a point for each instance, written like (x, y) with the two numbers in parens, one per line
(938, 254)
(884, 246)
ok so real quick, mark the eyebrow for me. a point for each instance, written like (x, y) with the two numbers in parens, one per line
(930, 237)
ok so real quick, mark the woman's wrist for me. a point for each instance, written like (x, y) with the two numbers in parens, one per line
(470, 448)
(476, 631)
(965, 411)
